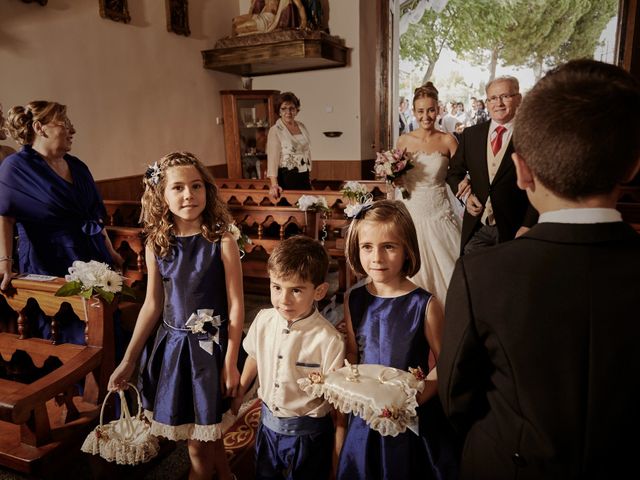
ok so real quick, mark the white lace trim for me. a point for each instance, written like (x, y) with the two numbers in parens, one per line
(374, 406)
(108, 442)
(187, 431)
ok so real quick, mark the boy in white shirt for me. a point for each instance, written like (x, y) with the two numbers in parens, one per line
(286, 343)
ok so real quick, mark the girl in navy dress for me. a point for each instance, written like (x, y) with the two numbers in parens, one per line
(195, 286)
(391, 321)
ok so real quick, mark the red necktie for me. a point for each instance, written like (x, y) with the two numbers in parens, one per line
(496, 143)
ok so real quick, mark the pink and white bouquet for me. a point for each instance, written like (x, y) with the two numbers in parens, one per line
(392, 164)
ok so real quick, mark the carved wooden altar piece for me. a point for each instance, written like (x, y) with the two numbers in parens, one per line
(280, 51)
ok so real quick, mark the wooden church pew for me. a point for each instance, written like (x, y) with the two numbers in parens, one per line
(41, 420)
(254, 211)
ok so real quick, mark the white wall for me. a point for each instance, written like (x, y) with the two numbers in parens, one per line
(134, 91)
(335, 89)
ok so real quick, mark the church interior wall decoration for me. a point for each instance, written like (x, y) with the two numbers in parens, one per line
(178, 17)
(278, 36)
(116, 10)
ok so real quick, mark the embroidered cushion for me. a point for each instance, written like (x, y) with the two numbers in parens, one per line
(384, 397)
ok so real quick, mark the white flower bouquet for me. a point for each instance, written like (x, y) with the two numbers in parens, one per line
(316, 204)
(241, 239)
(392, 164)
(313, 203)
(93, 278)
(354, 191)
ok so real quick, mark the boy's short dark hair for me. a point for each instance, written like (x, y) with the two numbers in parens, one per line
(301, 256)
(578, 129)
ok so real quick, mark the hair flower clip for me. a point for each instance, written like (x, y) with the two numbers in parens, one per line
(153, 173)
(356, 210)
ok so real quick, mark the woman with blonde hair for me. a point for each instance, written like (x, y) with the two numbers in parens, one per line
(4, 150)
(50, 196)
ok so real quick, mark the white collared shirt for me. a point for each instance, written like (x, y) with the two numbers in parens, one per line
(285, 353)
(581, 215)
(506, 136)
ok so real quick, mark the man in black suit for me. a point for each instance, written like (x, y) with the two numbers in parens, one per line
(539, 364)
(496, 210)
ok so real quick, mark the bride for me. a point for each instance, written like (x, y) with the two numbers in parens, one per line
(437, 225)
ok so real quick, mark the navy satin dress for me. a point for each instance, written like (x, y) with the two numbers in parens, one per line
(390, 331)
(180, 380)
(57, 222)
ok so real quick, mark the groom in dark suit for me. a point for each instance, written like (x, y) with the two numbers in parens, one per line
(539, 364)
(496, 210)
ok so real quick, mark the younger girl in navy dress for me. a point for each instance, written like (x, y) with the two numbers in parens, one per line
(390, 321)
(194, 273)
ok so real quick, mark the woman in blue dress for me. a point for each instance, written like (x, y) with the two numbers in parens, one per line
(51, 199)
(392, 322)
(5, 151)
(195, 286)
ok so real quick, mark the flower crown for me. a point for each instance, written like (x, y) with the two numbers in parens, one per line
(153, 173)
(357, 210)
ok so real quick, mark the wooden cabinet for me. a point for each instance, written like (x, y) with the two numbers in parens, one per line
(248, 115)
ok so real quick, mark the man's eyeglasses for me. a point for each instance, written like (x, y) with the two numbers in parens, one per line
(505, 97)
(288, 109)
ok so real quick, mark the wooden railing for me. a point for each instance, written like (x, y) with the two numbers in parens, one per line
(41, 419)
(265, 221)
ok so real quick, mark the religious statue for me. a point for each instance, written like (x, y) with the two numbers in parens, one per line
(269, 15)
(314, 14)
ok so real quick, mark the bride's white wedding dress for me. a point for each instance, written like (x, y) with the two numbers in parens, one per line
(437, 226)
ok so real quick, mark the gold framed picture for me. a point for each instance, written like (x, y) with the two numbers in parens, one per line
(178, 17)
(116, 10)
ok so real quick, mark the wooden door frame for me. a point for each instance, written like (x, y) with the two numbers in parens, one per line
(628, 40)
(384, 71)
(628, 51)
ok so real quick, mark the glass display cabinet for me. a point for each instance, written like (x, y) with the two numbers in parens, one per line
(248, 115)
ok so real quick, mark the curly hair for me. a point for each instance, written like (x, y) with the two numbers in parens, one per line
(156, 217)
(20, 119)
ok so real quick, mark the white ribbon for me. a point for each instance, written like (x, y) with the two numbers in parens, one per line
(196, 323)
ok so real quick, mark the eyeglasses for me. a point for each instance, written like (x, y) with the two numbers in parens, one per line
(66, 124)
(288, 109)
(502, 98)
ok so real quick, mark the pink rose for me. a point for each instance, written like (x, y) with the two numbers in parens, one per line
(399, 166)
